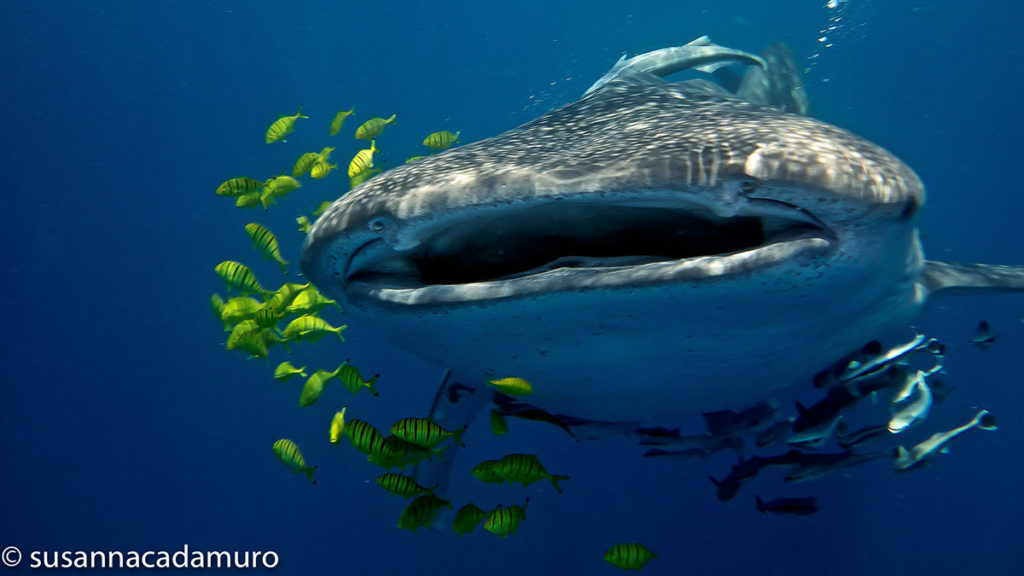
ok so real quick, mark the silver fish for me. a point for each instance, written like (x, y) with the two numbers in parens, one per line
(920, 454)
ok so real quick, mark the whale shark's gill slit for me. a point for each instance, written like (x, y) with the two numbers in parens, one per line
(530, 241)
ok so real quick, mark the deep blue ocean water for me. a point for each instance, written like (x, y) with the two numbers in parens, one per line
(125, 425)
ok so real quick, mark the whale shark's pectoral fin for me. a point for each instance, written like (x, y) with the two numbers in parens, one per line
(456, 404)
(953, 278)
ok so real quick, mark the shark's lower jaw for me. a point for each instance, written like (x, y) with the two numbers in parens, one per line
(558, 246)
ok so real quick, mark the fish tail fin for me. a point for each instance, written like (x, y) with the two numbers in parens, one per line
(457, 435)
(954, 278)
(457, 132)
(555, 479)
(760, 504)
(986, 421)
(300, 114)
(309, 472)
(391, 120)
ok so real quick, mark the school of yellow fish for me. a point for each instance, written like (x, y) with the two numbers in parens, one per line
(253, 314)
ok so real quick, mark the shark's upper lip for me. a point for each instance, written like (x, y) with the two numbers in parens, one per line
(554, 246)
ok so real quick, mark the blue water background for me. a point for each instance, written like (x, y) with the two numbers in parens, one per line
(124, 424)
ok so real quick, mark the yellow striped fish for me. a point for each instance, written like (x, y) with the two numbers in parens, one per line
(248, 200)
(505, 521)
(314, 387)
(373, 127)
(241, 186)
(256, 341)
(338, 425)
(304, 164)
(285, 372)
(286, 294)
(321, 169)
(311, 328)
(467, 518)
(339, 120)
(363, 160)
(364, 437)
(266, 242)
(499, 427)
(511, 386)
(632, 556)
(421, 512)
(243, 327)
(275, 188)
(267, 316)
(397, 453)
(256, 344)
(349, 376)
(238, 276)
(525, 469)
(283, 126)
(486, 471)
(289, 455)
(424, 432)
(304, 224)
(412, 159)
(404, 486)
(441, 140)
(310, 301)
(238, 309)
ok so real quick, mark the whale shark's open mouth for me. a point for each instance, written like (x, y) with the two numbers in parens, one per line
(532, 246)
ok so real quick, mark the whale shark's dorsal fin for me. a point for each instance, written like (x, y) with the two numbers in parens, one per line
(952, 278)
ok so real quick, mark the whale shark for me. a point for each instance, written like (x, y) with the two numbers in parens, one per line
(650, 250)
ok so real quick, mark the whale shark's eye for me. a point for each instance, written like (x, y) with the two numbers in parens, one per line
(747, 187)
(377, 224)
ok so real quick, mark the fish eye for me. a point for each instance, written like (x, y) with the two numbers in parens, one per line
(377, 224)
(747, 187)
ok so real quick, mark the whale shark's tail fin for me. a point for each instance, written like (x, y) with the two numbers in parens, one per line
(779, 85)
(953, 278)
